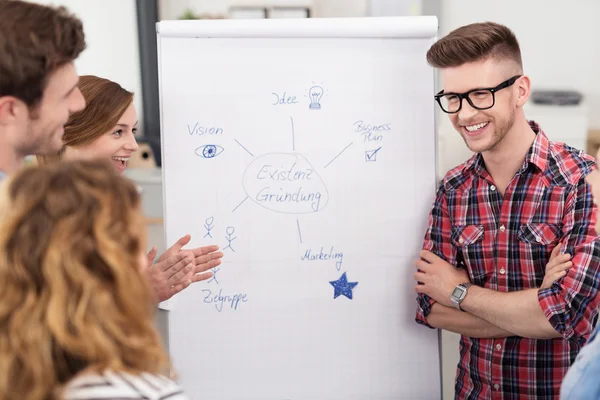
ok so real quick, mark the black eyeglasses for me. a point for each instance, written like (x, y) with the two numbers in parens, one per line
(479, 99)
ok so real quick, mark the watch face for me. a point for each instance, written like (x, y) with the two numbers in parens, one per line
(457, 292)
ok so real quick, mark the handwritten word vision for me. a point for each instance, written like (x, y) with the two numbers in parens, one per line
(199, 130)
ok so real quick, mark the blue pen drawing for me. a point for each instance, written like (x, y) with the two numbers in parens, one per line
(233, 301)
(199, 130)
(371, 155)
(208, 225)
(242, 146)
(342, 287)
(322, 255)
(293, 135)
(315, 94)
(339, 154)
(283, 99)
(238, 206)
(299, 233)
(285, 183)
(214, 277)
(230, 238)
(209, 150)
(371, 133)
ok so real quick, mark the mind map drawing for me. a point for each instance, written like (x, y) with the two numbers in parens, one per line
(286, 182)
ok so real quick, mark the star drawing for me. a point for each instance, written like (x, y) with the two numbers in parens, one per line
(343, 287)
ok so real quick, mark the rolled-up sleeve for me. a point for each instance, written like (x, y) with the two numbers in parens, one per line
(438, 241)
(571, 304)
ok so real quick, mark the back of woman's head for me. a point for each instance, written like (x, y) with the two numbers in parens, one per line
(106, 102)
(72, 294)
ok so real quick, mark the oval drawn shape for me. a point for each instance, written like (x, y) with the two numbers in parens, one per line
(285, 183)
(209, 150)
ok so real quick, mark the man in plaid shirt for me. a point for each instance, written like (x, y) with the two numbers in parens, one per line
(498, 217)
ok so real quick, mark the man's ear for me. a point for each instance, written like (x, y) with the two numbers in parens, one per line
(524, 90)
(10, 109)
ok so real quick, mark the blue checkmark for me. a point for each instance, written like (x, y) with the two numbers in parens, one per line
(371, 155)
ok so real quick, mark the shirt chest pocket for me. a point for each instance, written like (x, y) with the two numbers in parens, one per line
(469, 242)
(537, 242)
(539, 234)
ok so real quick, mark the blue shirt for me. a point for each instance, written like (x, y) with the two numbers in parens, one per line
(582, 380)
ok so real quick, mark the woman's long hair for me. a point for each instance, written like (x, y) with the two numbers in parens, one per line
(106, 102)
(72, 293)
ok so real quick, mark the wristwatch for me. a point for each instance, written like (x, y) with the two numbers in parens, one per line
(459, 293)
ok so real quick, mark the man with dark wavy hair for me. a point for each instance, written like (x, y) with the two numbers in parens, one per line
(38, 81)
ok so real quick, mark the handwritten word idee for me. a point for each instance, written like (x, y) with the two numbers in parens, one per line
(283, 99)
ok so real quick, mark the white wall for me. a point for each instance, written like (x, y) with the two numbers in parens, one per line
(336, 8)
(559, 40)
(559, 46)
(112, 50)
(172, 9)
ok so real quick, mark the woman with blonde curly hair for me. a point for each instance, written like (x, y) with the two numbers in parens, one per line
(106, 129)
(72, 324)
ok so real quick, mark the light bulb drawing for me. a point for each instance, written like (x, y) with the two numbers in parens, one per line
(315, 93)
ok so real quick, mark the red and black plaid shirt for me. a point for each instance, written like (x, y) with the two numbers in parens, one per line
(505, 243)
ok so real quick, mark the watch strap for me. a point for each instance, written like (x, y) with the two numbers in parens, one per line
(465, 285)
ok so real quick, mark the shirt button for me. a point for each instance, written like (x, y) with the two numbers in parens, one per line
(497, 387)
(502, 228)
(493, 188)
(498, 347)
(502, 271)
(538, 239)
(461, 240)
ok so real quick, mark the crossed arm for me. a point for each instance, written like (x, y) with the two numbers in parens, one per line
(463, 323)
(469, 324)
(487, 313)
(566, 309)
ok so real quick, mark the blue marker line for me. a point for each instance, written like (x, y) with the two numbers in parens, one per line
(338, 154)
(243, 147)
(238, 206)
(299, 233)
(293, 135)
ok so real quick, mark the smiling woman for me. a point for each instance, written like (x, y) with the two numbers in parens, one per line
(105, 128)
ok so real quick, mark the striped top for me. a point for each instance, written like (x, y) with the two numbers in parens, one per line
(122, 386)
